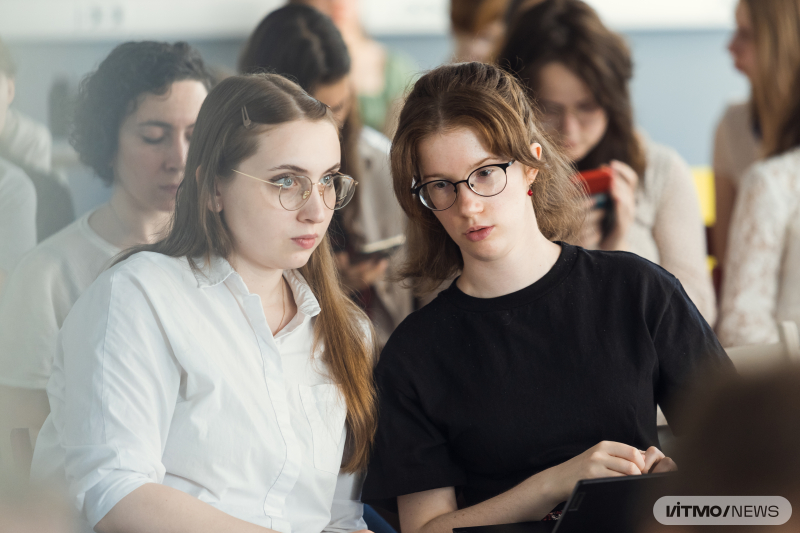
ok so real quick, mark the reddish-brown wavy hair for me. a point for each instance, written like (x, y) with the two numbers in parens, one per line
(491, 103)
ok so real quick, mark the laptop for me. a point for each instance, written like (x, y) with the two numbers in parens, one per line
(612, 504)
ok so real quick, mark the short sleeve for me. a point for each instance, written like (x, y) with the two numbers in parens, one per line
(411, 453)
(689, 355)
(750, 288)
(33, 304)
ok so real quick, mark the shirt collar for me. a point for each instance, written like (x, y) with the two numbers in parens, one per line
(217, 270)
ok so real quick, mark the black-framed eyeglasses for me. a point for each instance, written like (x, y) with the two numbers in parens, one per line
(336, 189)
(489, 180)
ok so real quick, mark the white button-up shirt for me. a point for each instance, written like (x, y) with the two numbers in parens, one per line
(164, 375)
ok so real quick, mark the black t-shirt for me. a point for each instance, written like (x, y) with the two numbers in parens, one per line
(481, 394)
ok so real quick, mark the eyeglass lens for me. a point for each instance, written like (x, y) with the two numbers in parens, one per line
(337, 191)
(485, 181)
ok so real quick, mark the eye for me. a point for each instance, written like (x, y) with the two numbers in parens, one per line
(285, 181)
(153, 140)
(485, 172)
(328, 180)
(438, 185)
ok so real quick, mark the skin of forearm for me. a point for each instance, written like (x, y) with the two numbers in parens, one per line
(530, 500)
(156, 508)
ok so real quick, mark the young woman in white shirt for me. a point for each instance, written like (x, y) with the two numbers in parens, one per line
(221, 379)
(133, 123)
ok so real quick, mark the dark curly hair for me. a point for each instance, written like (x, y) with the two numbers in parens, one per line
(111, 93)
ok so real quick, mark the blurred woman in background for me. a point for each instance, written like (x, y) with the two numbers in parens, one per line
(766, 49)
(303, 44)
(17, 192)
(577, 72)
(478, 27)
(380, 76)
(133, 124)
(761, 282)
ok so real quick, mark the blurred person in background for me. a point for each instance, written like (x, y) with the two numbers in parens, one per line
(766, 49)
(17, 193)
(478, 28)
(742, 439)
(303, 44)
(381, 76)
(220, 379)
(578, 74)
(134, 121)
(23, 141)
(761, 282)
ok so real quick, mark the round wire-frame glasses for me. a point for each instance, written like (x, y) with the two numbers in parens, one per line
(295, 190)
(486, 181)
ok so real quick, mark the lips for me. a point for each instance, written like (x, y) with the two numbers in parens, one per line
(478, 233)
(170, 188)
(306, 241)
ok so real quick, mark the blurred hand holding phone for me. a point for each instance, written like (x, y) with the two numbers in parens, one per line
(597, 183)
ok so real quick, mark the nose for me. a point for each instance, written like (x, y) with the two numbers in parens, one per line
(570, 126)
(176, 155)
(467, 202)
(314, 210)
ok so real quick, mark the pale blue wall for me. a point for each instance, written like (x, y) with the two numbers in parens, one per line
(683, 79)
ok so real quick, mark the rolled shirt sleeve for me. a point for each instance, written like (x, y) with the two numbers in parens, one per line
(113, 392)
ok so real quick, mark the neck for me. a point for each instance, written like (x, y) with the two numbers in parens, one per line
(522, 266)
(266, 282)
(123, 223)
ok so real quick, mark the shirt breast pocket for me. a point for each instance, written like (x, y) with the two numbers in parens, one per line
(326, 412)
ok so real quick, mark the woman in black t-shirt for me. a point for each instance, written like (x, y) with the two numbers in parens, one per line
(543, 363)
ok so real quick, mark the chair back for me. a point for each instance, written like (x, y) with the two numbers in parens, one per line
(764, 356)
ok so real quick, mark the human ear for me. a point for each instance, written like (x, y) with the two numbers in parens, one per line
(215, 201)
(536, 150)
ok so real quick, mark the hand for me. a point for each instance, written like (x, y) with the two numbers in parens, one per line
(624, 182)
(606, 459)
(655, 462)
(359, 276)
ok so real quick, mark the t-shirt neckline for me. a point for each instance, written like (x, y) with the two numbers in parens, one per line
(559, 271)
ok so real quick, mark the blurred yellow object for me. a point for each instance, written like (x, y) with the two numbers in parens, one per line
(704, 183)
(712, 262)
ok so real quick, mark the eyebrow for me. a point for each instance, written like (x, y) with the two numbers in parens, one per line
(476, 165)
(299, 170)
(157, 123)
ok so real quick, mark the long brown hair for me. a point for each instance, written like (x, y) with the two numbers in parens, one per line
(492, 104)
(571, 33)
(776, 87)
(219, 143)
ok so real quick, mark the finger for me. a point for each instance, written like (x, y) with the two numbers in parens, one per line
(652, 456)
(625, 172)
(623, 451)
(664, 465)
(621, 466)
